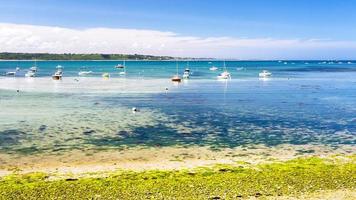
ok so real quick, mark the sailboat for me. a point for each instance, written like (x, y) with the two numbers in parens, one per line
(124, 72)
(176, 78)
(265, 74)
(58, 74)
(32, 71)
(186, 73)
(225, 74)
(120, 66)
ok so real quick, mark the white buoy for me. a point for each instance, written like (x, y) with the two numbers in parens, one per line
(134, 109)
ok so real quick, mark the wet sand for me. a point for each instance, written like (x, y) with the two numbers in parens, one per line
(81, 163)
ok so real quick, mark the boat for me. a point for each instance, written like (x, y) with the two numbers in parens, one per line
(265, 73)
(186, 74)
(30, 74)
(225, 74)
(10, 73)
(106, 75)
(176, 78)
(57, 75)
(17, 69)
(213, 68)
(84, 73)
(33, 69)
(120, 66)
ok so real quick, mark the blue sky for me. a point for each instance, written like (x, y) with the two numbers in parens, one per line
(278, 19)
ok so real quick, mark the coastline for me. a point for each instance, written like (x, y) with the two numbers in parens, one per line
(299, 178)
(81, 162)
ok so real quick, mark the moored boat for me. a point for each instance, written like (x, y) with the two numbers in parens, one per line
(225, 74)
(265, 74)
(57, 75)
(213, 68)
(10, 73)
(84, 73)
(176, 78)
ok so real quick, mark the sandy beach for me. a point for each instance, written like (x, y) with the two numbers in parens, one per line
(81, 163)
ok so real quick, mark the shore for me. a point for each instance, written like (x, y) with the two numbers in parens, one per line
(81, 162)
(301, 178)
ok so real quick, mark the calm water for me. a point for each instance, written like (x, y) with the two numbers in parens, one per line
(304, 102)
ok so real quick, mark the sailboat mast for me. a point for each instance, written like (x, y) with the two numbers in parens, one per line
(177, 66)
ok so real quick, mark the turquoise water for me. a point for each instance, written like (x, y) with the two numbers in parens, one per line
(304, 102)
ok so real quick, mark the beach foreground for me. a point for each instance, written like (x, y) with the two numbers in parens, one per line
(309, 178)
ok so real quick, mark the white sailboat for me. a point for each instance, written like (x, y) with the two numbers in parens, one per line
(10, 73)
(213, 68)
(120, 66)
(225, 74)
(58, 74)
(32, 71)
(123, 72)
(264, 74)
(84, 73)
(186, 72)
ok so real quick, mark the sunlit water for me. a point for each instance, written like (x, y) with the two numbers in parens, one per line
(304, 102)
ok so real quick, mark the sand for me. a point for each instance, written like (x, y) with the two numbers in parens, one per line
(79, 163)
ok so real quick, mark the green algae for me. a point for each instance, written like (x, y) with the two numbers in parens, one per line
(290, 178)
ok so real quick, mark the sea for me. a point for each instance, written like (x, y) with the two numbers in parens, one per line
(303, 102)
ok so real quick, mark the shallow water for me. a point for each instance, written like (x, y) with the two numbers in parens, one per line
(304, 102)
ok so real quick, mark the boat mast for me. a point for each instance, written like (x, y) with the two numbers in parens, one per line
(177, 67)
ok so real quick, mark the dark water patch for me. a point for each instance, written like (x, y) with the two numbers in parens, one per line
(10, 137)
(42, 128)
(89, 132)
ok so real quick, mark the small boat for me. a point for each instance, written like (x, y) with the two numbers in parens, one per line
(33, 69)
(265, 73)
(213, 68)
(57, 75)
(224, 75)
(120, 66)
(30, 74)
(10, 73)
(17, 69)
(106, 75)
(186, 73)
(84, 73)
(176, 78)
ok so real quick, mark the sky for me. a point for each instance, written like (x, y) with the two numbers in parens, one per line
(239, 29)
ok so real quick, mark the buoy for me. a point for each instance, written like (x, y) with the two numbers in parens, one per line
(134, 109)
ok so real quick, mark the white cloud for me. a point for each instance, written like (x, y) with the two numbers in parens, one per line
(31, 38)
